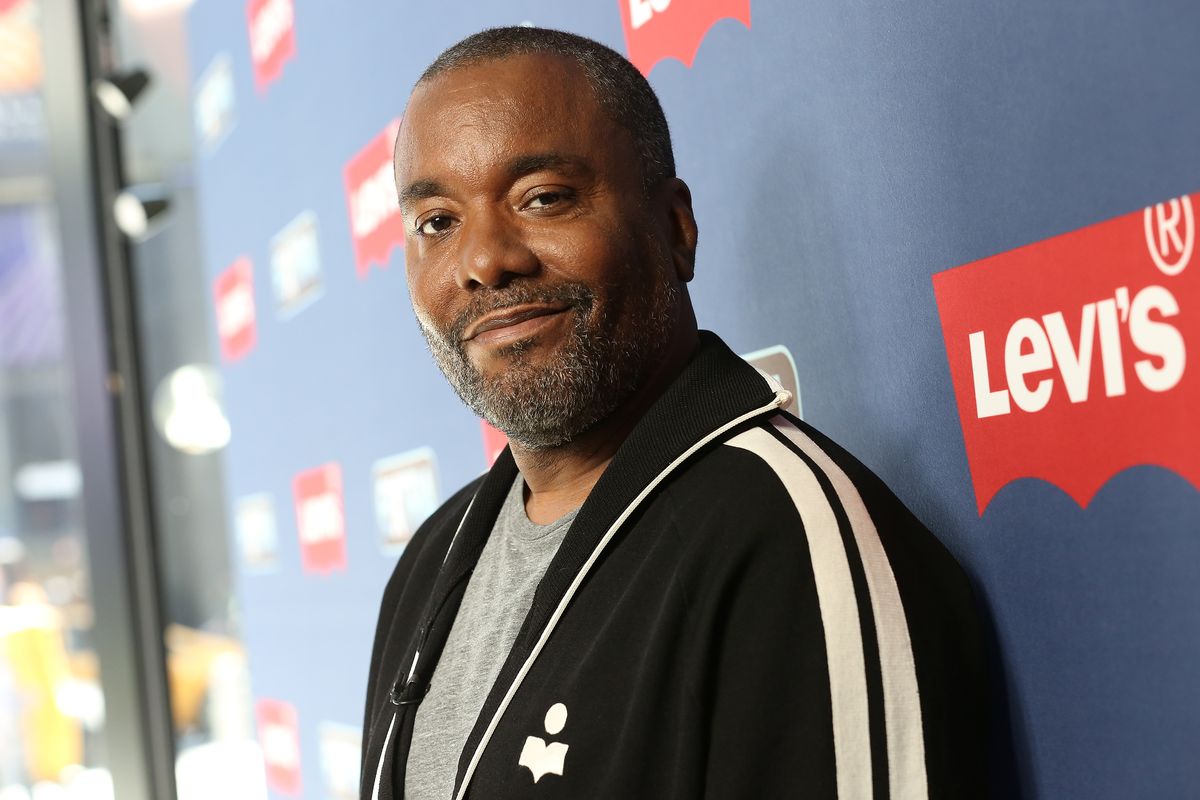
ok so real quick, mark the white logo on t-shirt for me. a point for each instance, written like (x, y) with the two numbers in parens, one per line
(542, 758)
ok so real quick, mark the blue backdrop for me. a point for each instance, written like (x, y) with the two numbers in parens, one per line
(840, 154)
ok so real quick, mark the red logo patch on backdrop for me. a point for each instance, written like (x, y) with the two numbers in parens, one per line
(279, 738)
(320, 518)
(272, 26)
(658, 29)
(233, 293)
(375, 223)
(494, 441)
(1070, 357)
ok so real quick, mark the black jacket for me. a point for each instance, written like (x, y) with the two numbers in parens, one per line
(740, 610)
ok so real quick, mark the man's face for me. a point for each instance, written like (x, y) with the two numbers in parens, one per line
(541, 274)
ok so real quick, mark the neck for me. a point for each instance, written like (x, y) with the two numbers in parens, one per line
(559, 479)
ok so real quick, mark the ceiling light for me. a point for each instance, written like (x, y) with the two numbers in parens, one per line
(117, 93)
(133, 214)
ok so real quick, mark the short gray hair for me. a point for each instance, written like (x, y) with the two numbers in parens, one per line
(622, 91)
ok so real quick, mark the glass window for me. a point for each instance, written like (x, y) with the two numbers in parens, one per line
(51, 703)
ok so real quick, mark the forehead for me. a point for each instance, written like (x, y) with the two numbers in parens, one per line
(474, 116)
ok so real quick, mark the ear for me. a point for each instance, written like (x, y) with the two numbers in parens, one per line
(683, 230)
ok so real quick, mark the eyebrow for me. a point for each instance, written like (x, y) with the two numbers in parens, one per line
(515, 168)
(420, 190)
(536, 162)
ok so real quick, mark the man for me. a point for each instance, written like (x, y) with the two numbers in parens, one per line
(666, 587)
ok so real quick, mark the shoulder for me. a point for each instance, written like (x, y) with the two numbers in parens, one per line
(778, 487)
(820, 480)
(780, 468)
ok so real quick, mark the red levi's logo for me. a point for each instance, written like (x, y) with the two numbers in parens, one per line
(272, 38)
(237, 326)
(658, 29)
(279, 738)
(320, 518)
(1069, 357)
(375, 222)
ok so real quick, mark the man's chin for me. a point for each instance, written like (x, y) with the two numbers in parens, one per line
(497, 363)
(535, 413)
(541, 439)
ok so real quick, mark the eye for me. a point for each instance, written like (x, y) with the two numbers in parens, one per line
(547, 198)
(544, 199)
(432, 226)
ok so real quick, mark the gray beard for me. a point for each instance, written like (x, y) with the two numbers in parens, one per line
(545, 406)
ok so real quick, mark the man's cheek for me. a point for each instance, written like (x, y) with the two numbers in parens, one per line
(431, 302)
(412, 252)
(427, 324)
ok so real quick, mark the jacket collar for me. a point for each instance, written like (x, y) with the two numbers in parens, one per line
(716, 386)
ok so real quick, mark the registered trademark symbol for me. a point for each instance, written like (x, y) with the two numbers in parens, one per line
(1170, 248)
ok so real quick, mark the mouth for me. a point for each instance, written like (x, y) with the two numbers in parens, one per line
(512, 322)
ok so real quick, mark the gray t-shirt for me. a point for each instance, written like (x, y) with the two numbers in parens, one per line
(497, 598)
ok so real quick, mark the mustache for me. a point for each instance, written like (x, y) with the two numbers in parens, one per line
(576, 295)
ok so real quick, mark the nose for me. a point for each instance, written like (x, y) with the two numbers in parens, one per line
(494, 252)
